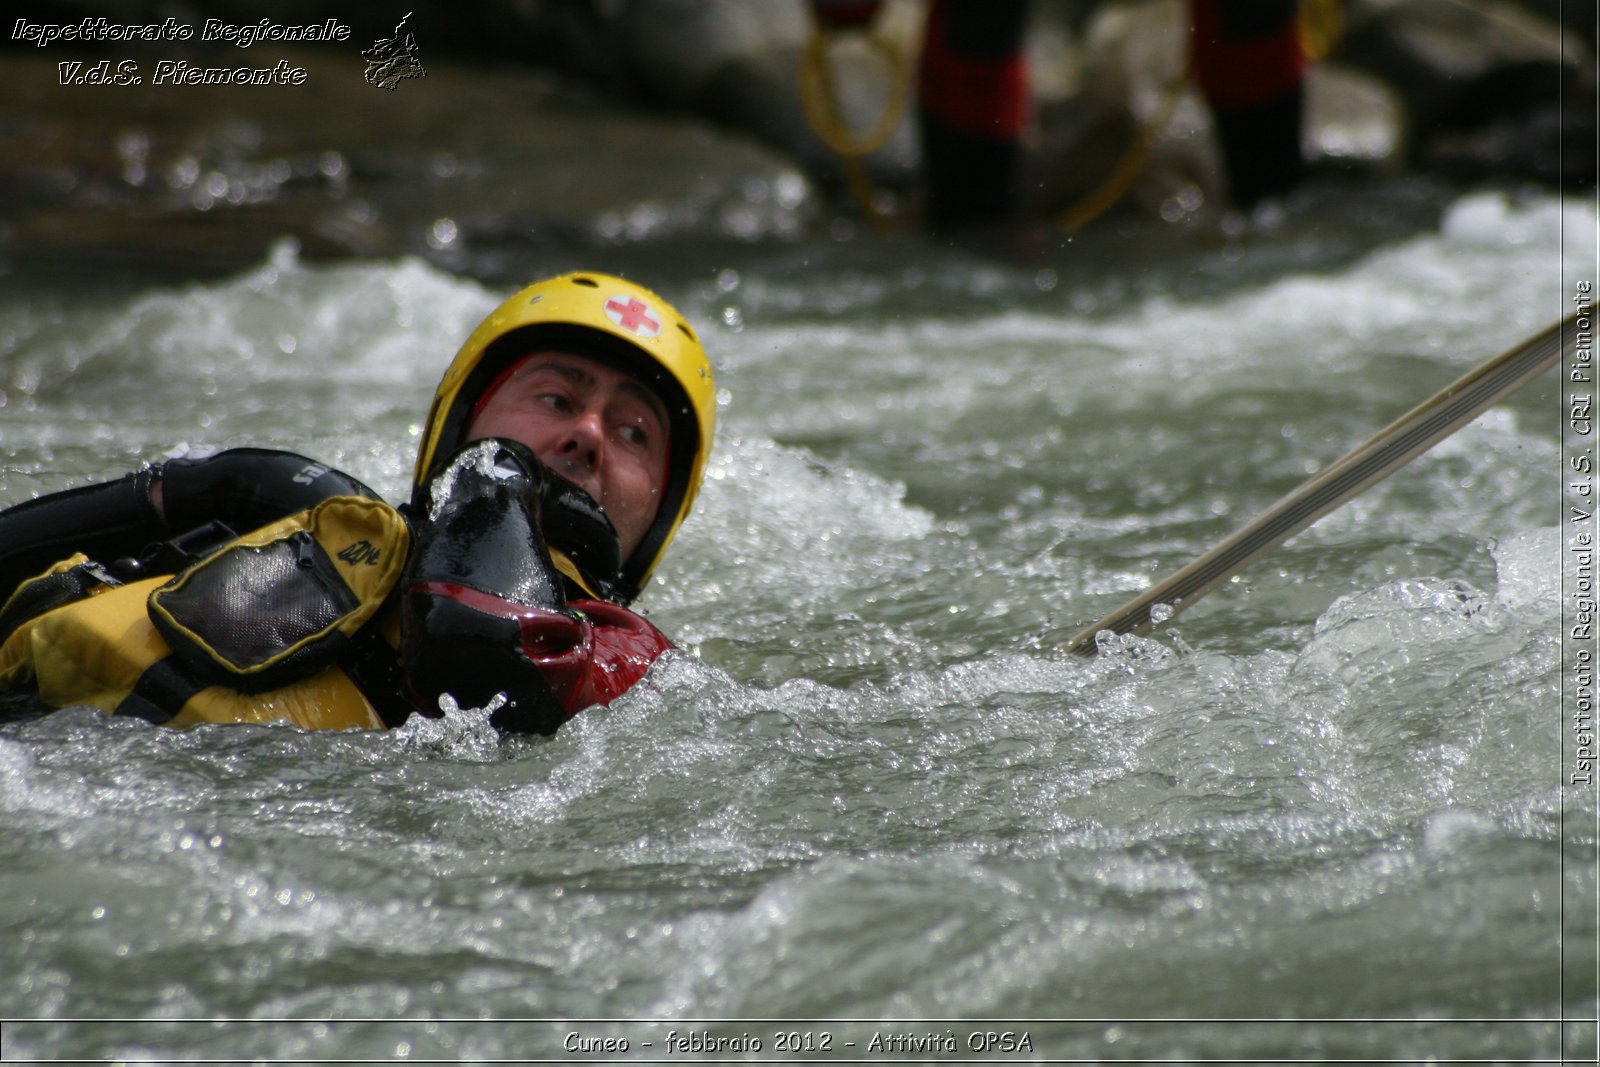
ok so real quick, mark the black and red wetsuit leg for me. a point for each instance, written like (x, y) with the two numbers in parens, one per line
(972, 96)
(1250, 65)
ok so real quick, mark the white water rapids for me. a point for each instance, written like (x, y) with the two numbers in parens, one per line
(870, 787)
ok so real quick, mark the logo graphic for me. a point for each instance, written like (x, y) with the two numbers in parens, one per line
(391, 60)
(363, 551)
(633, 314)
(309, 473)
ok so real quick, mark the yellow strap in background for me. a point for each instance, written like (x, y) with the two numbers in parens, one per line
(1321, 27)
(819, 95)
(1116, 184)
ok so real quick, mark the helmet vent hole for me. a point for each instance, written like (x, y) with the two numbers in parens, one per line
(687, 332)
(590, 282)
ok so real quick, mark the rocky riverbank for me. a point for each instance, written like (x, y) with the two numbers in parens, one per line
(546, 125)
(462, 163)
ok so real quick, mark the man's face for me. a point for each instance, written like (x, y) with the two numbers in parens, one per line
(599, 428)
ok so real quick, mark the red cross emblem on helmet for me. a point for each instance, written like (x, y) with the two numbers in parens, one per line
(634, 315)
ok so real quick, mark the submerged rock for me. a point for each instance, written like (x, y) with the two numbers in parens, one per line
(467, 167)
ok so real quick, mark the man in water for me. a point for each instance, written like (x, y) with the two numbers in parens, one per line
(563, 449)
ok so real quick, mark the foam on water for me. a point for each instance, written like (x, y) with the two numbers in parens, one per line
(336, 360)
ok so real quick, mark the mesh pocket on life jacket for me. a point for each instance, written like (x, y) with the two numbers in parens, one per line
(252, 613)
(67, 582)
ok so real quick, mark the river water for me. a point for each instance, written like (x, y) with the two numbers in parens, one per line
(1321, 816)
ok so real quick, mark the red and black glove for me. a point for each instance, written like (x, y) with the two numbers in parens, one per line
(483, 608)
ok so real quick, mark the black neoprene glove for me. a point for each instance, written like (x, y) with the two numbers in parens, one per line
(483, 610)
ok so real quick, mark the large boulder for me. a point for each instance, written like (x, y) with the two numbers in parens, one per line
(1489, 88)
(467, 166)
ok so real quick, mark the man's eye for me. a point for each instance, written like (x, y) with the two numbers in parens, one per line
(555, 402)
(635, 435)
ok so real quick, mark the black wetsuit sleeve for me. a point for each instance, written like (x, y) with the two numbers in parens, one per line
(106, 521)
(243, 488)
(247, 488)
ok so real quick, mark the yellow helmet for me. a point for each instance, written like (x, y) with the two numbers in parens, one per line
(613, 321)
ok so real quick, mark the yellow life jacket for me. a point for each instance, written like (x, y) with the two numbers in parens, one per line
(261, 629)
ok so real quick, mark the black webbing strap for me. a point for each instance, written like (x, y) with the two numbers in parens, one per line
(160, 693)
(166, 685)
(374, 666)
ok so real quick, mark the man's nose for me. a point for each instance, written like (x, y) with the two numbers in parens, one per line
(584, 440)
